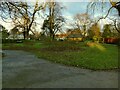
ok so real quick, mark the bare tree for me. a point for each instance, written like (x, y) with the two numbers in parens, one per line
(20, 14)
(116, 23)
(101, 5)
(82, 21)
(54, 20)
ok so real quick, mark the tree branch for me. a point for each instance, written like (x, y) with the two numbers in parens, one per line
(105, 15)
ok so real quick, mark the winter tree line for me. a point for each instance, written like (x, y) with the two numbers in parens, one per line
(23, 16)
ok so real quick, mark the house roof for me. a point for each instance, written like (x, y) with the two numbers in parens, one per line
(75, 36)
(61, 35)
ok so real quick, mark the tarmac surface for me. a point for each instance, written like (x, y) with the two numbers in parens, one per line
(22, 69)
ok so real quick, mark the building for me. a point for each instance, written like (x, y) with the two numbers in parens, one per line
(75, 37)
(61, 36)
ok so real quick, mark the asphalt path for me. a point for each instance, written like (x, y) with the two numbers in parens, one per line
(21, 69)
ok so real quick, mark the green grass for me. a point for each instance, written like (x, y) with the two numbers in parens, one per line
(72, 53)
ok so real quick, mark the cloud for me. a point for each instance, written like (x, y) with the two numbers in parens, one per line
(102, 22)
(71, 9)
(68, 20)
(8, 26)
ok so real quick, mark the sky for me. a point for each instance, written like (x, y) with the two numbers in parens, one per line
(71, 8)
(75, 7)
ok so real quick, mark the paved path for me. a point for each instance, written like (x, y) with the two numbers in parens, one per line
(24, 70)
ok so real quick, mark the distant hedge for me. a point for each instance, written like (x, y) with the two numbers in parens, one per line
(11, 41)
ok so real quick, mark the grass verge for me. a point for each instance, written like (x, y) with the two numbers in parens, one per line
(71, 53)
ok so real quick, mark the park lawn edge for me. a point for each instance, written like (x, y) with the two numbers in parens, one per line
(59, 62)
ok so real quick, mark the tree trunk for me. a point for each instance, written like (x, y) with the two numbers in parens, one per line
(53, 37)
(51, 19)
(27, 34)
(24, 33)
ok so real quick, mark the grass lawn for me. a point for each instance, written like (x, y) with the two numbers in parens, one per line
(71, 53)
